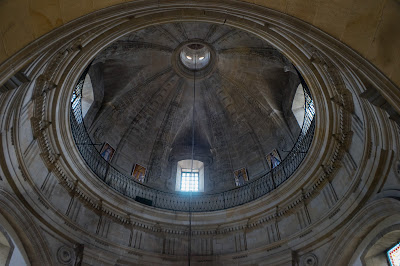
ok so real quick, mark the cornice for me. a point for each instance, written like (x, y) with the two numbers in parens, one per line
(60, 70)
(51, 157)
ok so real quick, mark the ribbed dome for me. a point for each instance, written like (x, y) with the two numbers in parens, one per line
(332, 201)
(143, 100)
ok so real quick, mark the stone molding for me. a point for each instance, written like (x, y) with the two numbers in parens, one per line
(347, 241)
(51, 156)
(315, 59)
(10, 243)
(33, 240)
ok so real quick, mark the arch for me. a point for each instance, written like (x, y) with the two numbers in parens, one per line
(6, 247)
(83, 58)
(29, 244)
(65, 72)
(376, 251)
(364, 229)
(316, 56)
(299, 105)
(32, 27)
(87, 95)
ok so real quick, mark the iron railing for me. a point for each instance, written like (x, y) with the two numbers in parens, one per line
(199, 202)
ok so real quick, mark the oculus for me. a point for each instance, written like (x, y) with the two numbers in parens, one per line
(195, 56)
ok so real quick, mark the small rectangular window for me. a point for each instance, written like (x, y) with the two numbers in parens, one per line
(189, 176)
(190, 181)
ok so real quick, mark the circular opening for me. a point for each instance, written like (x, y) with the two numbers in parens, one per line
(150, 168)
(195, 46)
(195, 56)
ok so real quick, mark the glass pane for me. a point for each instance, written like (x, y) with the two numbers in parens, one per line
(190, 181)
(394, 255)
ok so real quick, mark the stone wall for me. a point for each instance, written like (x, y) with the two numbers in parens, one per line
(347, 186)
(367, 27)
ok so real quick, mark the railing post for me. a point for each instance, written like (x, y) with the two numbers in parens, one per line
(155, 200)
(105, 175)
(223, 195)
(272, 178)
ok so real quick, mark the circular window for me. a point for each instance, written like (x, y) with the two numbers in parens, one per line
(195, 56)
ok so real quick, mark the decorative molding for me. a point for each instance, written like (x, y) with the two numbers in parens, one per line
(343, 100)
(18, 216)
(14, 82)
(309, 259)
(305, 233)
(334, 213)
(65, 255)
(60, 73)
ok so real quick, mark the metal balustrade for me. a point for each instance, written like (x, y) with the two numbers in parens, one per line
(199, 202)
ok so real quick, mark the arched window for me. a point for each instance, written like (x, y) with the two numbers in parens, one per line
(188, 177)
(87, 95)
(299, 105)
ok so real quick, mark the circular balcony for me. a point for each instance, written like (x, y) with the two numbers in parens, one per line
(195, 202)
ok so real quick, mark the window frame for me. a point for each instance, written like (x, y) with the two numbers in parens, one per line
(188, 178)
(184, 166)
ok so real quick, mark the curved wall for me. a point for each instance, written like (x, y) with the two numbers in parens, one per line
(365, 26)
(351, 159)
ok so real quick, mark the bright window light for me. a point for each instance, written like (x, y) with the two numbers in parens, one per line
(394, 255)
(188, 57)
(190, 181)
(201, 58)
(189, 176)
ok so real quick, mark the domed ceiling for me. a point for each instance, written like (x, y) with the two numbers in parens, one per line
(143, 102)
